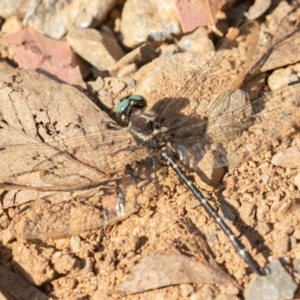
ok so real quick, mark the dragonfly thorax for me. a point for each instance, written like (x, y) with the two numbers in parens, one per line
(147, 130)
(145, 126)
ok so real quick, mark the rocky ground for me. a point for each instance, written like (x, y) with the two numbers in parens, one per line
(56, 245)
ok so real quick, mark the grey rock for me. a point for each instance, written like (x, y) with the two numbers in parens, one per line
(99, 48)
(280, 77)
(278, 285)
(258, 8)
(227, 212)
(149, 20)
(95, 86)
(131, 83)
(210, 173)
(197, 41)
(55, 20)
(288, 158)
(13, 8)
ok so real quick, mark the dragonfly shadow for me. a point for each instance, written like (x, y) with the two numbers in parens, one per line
(23, 282)
(192, 235)
(255, 239)
(164, 103)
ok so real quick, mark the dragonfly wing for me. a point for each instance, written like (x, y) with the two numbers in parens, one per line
(61, 214)
(54, 217)
(238, 130)
(258, 124)
(225, 70)
(73, 163)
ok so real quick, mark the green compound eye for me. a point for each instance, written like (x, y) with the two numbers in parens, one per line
(123, 105)
(128, 105)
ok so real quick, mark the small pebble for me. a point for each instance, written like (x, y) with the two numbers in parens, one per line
(297, 181)
(205, 294)
(63, 263)
(186, 290)
(96, 86)
(288, 158)
(127, 70)
(103, 92)
(117, 86)
(263, 228)
(226, 297)
(75, 242)
(297, 266)
(279, 78)
(296, 233)
(227, 212)
(7, 236)
(193, 204)
(197, 41)
(281, 243)
(131, 83)
(274, 197)
(232, 290)
(293, 242)
(167, 50)
(265, 178)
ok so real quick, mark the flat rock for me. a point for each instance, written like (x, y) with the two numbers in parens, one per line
(13, 8)
(75, 242)
(99, 48)
(280, 77)
(149, 20)
(11, 24)
(288, 158)
(278, 285)
(197, 41)
(55, 20)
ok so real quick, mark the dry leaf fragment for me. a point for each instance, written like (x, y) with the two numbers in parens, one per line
(159, 270)
(195, 13)
(36, 52)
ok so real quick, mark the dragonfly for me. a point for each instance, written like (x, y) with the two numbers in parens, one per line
(79, 167)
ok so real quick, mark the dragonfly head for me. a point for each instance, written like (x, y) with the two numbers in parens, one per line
(129, 105)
